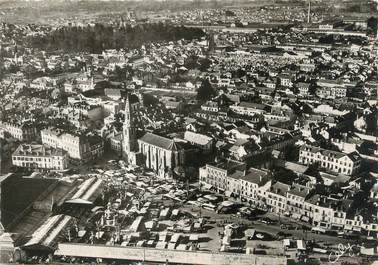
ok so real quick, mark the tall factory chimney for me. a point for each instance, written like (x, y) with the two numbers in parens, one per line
(309, 12)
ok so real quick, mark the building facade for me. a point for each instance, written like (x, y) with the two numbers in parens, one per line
(41, 157)
(249, 109)
(82, 147)
(347, 164)
(231, 177)
(161, 154)
(24, 131)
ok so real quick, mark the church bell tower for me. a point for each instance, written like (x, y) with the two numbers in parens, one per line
(129, 133)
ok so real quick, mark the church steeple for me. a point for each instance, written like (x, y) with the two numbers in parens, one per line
(129, 130)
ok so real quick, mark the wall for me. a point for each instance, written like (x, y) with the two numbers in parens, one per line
(173, 256)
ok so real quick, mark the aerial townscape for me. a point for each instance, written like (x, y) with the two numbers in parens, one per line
(198, 132)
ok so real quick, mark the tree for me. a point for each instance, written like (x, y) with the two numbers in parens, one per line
(291, 153)
(313, 170)
(204, 64)
(206, 91)
(100, 37)
(284, 175)
(150, 100)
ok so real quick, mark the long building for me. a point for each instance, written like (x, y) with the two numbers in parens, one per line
(36, 156)
(166, 255)
(347, 164)
(82, 147)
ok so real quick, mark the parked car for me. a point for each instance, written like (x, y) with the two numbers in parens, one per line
(268, 221)
(283, 234)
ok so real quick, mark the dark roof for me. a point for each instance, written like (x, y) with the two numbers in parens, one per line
(133, 98)
(160, 141)
(237, 174)
(301, 84)
(230, 166)
(255, 176)
(37, 150)
(314, 149)
(299, 190)
(112, 92)
(280, 188)
(265, 90)
(251, 105)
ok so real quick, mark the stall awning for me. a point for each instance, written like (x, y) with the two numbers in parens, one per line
(228, 193)
(207, 186)
(356, 228)
(79, 201)
(337, 225)
(296, 215)
(301, 245)
(193, 237)
(227, 203)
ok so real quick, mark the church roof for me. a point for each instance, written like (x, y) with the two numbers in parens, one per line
(133, 98)
(160, 141)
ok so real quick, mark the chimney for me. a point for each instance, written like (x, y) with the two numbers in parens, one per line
(309, 12)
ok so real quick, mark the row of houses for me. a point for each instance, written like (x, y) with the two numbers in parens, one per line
(298, 201)
(57, 147)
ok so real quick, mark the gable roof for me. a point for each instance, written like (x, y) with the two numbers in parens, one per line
(160, 141)
(256, 176)
(280, 188)
(251, 105)
(197, 138)
(330, 153)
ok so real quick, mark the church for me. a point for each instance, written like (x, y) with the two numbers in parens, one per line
(161, 154)
(129, 143)
(154, 152)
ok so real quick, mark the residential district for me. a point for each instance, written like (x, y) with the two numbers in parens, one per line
(207, 136)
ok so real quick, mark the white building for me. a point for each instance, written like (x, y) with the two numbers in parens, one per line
(35, 156)
(23, 131)
(338, 162)
(202, 141)
(304, 88)
(230, 177)
(82, 147)
(250, 109)
(276, 198)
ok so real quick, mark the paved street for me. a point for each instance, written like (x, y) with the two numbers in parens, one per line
(271, 229)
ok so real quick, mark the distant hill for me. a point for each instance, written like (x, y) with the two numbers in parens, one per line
(44, 11)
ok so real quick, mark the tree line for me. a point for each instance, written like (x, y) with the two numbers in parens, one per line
(95, 39)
